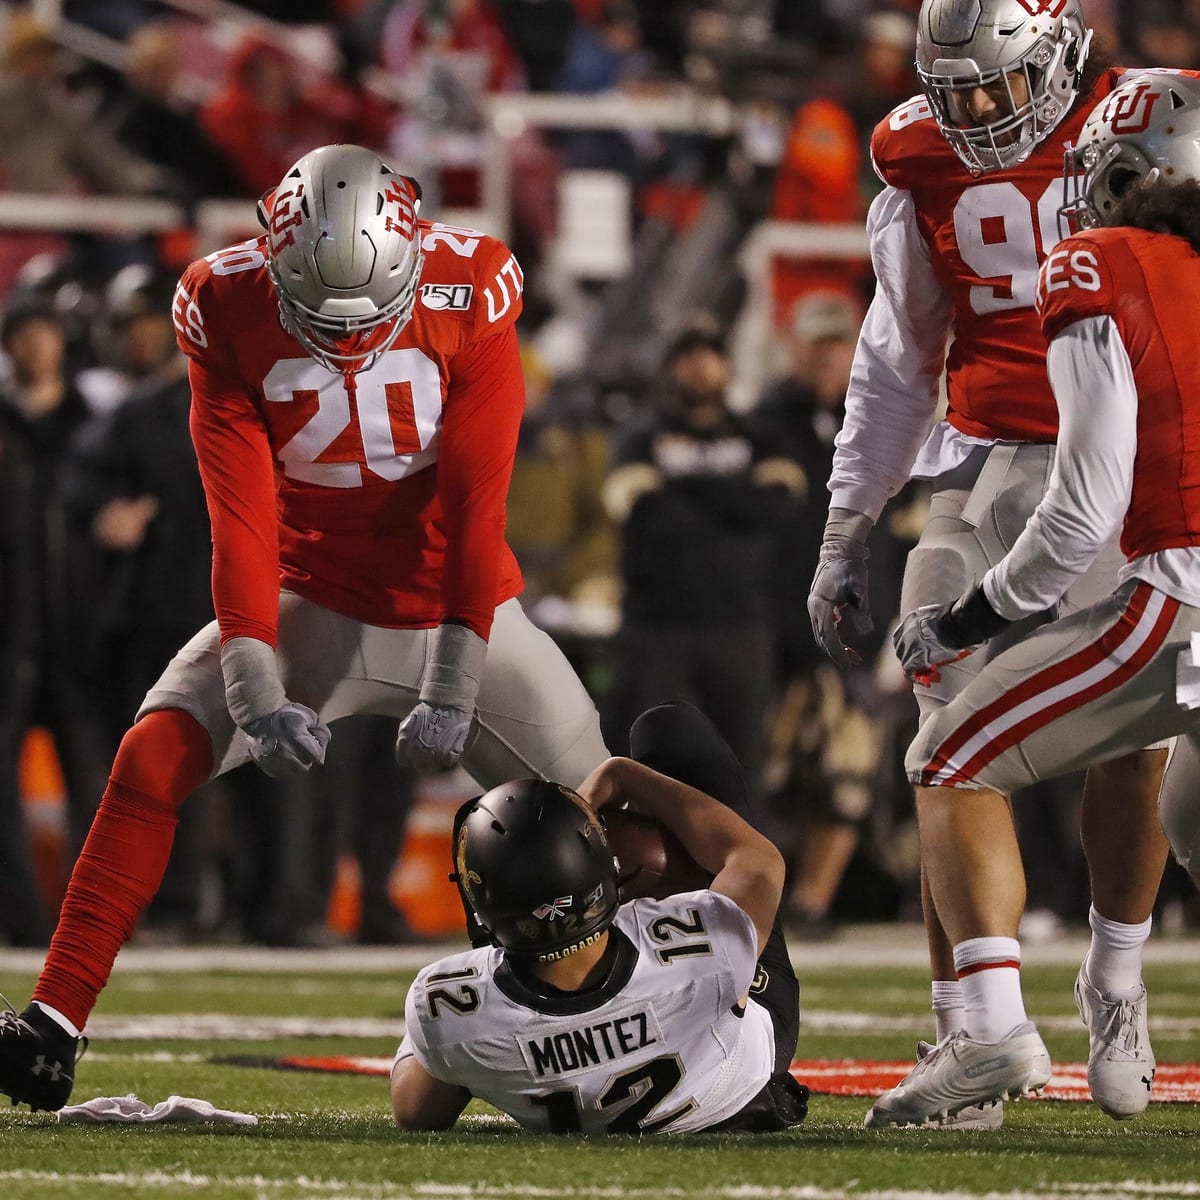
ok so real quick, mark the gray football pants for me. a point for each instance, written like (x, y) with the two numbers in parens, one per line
(533, 715)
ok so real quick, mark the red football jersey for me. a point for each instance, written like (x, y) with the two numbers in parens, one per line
(1149, 284)
(380, 495)
(987, 236)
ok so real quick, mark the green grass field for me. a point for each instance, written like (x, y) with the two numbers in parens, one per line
(165, 1017)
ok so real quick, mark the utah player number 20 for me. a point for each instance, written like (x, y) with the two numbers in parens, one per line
(399, 405)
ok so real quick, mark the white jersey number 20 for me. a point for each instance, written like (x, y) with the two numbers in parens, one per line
(399, 408)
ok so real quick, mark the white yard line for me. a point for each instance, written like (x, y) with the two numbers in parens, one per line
(302, 1188)
(859, 946)
(207, 1026)
(210, 1026)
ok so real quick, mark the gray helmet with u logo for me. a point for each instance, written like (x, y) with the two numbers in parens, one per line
(1150, 123)
(1028, 54)
(344, 254)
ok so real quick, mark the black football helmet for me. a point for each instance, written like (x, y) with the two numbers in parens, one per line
(536, 868)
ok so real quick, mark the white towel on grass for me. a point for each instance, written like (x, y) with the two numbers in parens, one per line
(130, 1110)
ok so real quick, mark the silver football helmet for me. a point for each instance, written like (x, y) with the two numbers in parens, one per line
(1026, 54)
(1150, 123)
(344, 254)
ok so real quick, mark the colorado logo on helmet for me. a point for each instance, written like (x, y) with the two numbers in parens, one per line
(574, 948)
(447, 297)
(556, 908)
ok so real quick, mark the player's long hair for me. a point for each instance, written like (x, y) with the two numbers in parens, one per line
(1162, 207)
(1098, 61)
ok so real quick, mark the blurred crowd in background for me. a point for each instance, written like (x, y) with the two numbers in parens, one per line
(669, 494)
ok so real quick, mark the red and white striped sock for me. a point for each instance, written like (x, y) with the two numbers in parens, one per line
(989, 969)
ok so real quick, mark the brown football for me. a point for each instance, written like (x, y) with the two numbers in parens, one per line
(652, 859)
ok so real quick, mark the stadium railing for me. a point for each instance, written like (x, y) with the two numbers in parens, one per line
(507, 117)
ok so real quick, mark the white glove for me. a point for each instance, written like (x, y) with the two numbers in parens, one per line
(434, 735)
(288, 741)
(284, 738)
(840, 585)
(432, 738)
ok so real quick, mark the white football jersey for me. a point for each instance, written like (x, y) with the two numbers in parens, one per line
(663, 1044)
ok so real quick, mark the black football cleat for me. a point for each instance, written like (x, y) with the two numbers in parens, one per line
(37, 1059)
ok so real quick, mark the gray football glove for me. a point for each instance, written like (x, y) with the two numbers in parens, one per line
(288, 741)
(284, 738)
(839, 585)
(434, 735)
(934, 635)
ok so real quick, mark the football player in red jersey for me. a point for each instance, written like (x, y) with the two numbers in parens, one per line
(1119, 305)
(972, 174)
(356, 394)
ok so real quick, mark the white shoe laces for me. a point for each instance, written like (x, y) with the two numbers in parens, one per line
(11, 1020)
(927, 1061)
(1120, 1031)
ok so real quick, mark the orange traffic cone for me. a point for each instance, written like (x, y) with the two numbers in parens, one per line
(420, 886)
(44, 798)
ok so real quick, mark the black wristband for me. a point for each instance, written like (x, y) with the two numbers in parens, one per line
(970, 620)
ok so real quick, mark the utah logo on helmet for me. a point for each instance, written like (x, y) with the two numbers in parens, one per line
(1150, 123)
(343, 254)
(1027, 54)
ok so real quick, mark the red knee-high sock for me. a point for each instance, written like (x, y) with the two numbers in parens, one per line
(163, 759)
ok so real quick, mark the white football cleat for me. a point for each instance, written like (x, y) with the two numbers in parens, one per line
(979, 1118)
(960, 1073)
(1121, 1062)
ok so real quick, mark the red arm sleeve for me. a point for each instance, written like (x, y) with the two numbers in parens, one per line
(239, 483)
(484, 405)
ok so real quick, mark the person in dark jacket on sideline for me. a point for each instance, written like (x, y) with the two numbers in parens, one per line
(698, 496)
